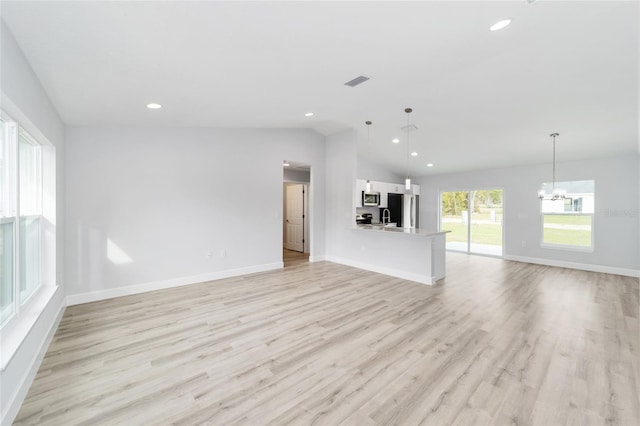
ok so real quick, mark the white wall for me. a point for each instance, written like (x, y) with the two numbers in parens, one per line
(616, 230)
(340, 186)
(24, 99)
(373, 171)
(167, 196)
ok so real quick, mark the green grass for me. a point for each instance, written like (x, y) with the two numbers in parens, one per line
(568, 237)
(492, 233)
(480, 234)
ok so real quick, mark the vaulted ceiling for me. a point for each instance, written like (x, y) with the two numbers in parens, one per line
(481, 99)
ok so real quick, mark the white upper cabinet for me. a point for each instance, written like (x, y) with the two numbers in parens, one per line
(396, 188)
(415, 189)
(383, 189)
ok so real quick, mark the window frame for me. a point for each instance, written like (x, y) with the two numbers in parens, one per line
(591, 215)
(13, 179)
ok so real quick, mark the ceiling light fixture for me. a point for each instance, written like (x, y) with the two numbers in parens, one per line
(154, 106)
(414, 154)
(500, 25)
(556, 194)
(286, 163)
(407, 181)
(309, 114)
(429, 164)
(396, 140)
(368, 123)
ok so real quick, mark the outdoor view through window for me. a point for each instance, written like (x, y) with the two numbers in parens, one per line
(568, 222)
(474, 219)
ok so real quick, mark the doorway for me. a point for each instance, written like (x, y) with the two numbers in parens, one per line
(296, 241)
(474, 219)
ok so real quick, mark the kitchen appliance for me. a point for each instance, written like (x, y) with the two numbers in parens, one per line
(364, 219)
(410, 213)
(404, 209)
(370, 198)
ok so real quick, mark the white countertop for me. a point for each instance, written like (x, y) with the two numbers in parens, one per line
(396, 230)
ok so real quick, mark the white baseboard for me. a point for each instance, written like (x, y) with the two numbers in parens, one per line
(419, 278)
(575, 265)
(93, 296)
(317, 258)
(10, 412)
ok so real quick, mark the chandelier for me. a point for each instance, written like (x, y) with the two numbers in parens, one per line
(556, 194)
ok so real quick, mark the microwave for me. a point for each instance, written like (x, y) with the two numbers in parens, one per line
(370, 198)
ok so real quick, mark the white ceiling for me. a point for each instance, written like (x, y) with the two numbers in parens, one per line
(481, 99)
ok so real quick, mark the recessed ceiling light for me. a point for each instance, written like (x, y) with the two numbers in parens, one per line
(500, 25)
(430, 165)
(286, 164)
(154, 106)
(309, 114)
(396, 140)
(414, 154)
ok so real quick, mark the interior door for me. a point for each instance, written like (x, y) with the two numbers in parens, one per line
(295, 218)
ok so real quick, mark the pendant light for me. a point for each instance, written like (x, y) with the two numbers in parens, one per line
(368, 123)
(407, 181)
(556, 194)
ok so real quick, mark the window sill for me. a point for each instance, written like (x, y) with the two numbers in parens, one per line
(15, 332)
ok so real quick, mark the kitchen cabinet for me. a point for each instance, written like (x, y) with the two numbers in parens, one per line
(383, 189)
(396, 188)
(415, 189)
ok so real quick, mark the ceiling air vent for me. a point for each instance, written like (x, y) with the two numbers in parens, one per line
(409, 128)
(356, 81)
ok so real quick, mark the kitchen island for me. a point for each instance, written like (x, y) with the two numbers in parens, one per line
(409, 253)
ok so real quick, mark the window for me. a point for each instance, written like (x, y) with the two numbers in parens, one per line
(568, 222)
(20, 217)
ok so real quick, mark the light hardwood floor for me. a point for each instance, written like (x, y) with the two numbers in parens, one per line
(496, 342)
(294, 258)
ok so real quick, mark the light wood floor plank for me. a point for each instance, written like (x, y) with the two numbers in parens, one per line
(496, 342)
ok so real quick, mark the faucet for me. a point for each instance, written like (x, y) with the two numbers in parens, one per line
(386, 216)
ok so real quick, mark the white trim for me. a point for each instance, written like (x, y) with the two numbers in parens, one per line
(317, 258)
(15, 331)
(419, 278)
(15, 401)
(574, 265)
(93, 296)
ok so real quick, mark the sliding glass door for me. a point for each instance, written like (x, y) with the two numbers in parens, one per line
(454, 217)
(474, 219)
